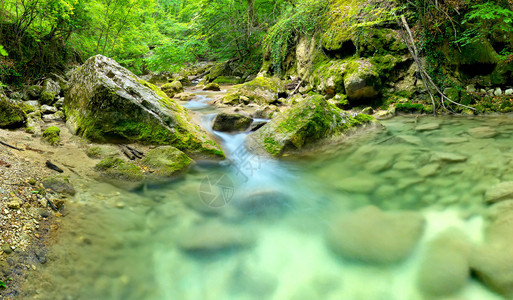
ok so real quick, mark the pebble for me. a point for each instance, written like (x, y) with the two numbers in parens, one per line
(15, 203)
(6, 249)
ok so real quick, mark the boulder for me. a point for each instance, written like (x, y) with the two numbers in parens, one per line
(493, 261)
(231, 122)
(166, 161)
(219, 69)
(52, 135)
(184, 96)
(361, 81)
(445, 268)
(49, 92)
(172, 88)
(261, 90)
(59, 184)
(107, 103)
(212, 87)
(11, 113)
(309, 121)
(263, 203)
(32, 92)
(373, 236)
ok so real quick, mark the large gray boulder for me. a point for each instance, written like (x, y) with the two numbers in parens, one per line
(309, 121)
(107, 103)
(373, 236)
(49, 92)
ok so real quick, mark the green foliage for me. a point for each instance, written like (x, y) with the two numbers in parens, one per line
(305, 19)
(3, 52)
(484, 19)
(2, 285)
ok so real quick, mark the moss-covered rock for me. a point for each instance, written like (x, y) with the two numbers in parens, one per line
(309, 121)
(59, 184)
(166, 161)
(172, 88)
(52, 135)
(219, 69)
(231, 122)
(49, 92)
(117, 169)
(361, 81)
(31, 92)
(212, 87)
(227, 80)
(11, 113)
(107, 103)
(261, 90)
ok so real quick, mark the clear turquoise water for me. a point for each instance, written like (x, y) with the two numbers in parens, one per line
(270, 236)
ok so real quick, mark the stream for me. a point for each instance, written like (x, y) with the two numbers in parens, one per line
(254, 228)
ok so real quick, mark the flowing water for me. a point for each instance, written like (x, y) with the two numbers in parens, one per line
(254, 228)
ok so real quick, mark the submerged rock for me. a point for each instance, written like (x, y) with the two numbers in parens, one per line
(231, 122)
(428, 127)
(107, 103)
(11, 113)
(448, 157)
(263, 203)
(493, 261)
(499, 192)
(445, 267)
(373, 236)
(59, 184)
(117, 169)
(166, 161)
(483, 132)
(213, 237)
(309, 121)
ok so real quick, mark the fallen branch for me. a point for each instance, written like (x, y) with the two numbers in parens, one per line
(52, 166)
(11, 146)
(135, 152)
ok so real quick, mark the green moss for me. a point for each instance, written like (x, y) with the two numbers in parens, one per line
(166, 161)
(11, 114)
(52, 135)
(172, 88)
(94, 152)
(409, 107)
(116, 168)
(47, 98)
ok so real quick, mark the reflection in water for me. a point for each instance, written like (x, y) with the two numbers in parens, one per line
(276, 238)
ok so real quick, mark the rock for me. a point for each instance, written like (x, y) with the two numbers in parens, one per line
(31, 92)
(219, 69)
(46, 109)
(497, 92)
(102, 151)
(508, 92)
(230, 122)
(428, 127)
(44, 213)
(49, 92)
(52, 135)
(410, 139)
(428, 170)
(213, 237)
(499, 192)
(361, 81)
(471, 88)
(59, 184)
(166, 161)
(266, 112)
(6, 249)
(263, 203)
(309, 121)
(493, 261)
(448, 157)
(184, 96)
(445, 268)
(58, 116)
(15, 203)
(11, 113)
(373, 236)
(212, 87)
(33, 125)
(454, 140)
(230, 80)
(106, 102)
(483, 132)
(172, 88)
(367, 111)
(261, 90)
(358, 184)
(117, 169)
